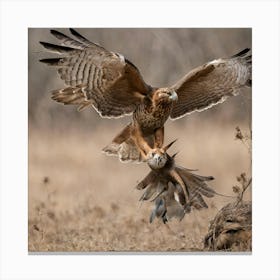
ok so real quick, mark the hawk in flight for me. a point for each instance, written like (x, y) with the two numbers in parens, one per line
(114, 86)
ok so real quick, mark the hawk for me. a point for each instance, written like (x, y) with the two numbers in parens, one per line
(113, 85)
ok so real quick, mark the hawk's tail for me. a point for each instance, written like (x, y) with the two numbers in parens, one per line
(123, 146)
(73, 96)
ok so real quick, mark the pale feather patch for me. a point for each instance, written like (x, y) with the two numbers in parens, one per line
(215, 61)
(176, 197)
(121, 57)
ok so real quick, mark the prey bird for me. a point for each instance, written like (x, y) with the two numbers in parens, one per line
(175, 190)
(114, 87)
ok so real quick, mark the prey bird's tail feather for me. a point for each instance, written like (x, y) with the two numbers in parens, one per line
(197, 184)
(170, 201)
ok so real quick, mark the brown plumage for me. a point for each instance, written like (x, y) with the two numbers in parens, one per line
(114, 87)
(175, 190)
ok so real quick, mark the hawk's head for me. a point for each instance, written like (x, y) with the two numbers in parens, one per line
(165, 94)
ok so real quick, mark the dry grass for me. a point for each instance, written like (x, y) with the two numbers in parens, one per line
(82, 200)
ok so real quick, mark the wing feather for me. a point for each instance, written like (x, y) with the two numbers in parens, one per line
(97, 77)
(212, 83)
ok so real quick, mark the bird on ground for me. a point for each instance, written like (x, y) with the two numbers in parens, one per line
(113, 85)
(231, 228)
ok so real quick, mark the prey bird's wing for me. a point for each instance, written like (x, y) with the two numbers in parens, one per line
(212, 83)
(95, 76)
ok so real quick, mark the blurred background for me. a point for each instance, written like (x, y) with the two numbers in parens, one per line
(82, 200)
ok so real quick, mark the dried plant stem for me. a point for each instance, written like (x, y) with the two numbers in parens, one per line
(244, 188)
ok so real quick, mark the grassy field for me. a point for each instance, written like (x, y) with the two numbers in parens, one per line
(82, 200)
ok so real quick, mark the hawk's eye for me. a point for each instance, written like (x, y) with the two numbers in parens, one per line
(153, 154)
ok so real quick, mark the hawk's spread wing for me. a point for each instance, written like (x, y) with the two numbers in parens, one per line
(95, 76)
(212, 83)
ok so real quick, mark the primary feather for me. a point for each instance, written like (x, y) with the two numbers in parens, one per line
(107, 81)
(212, 83)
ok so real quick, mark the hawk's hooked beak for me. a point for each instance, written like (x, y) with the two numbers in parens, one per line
(173, 96)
